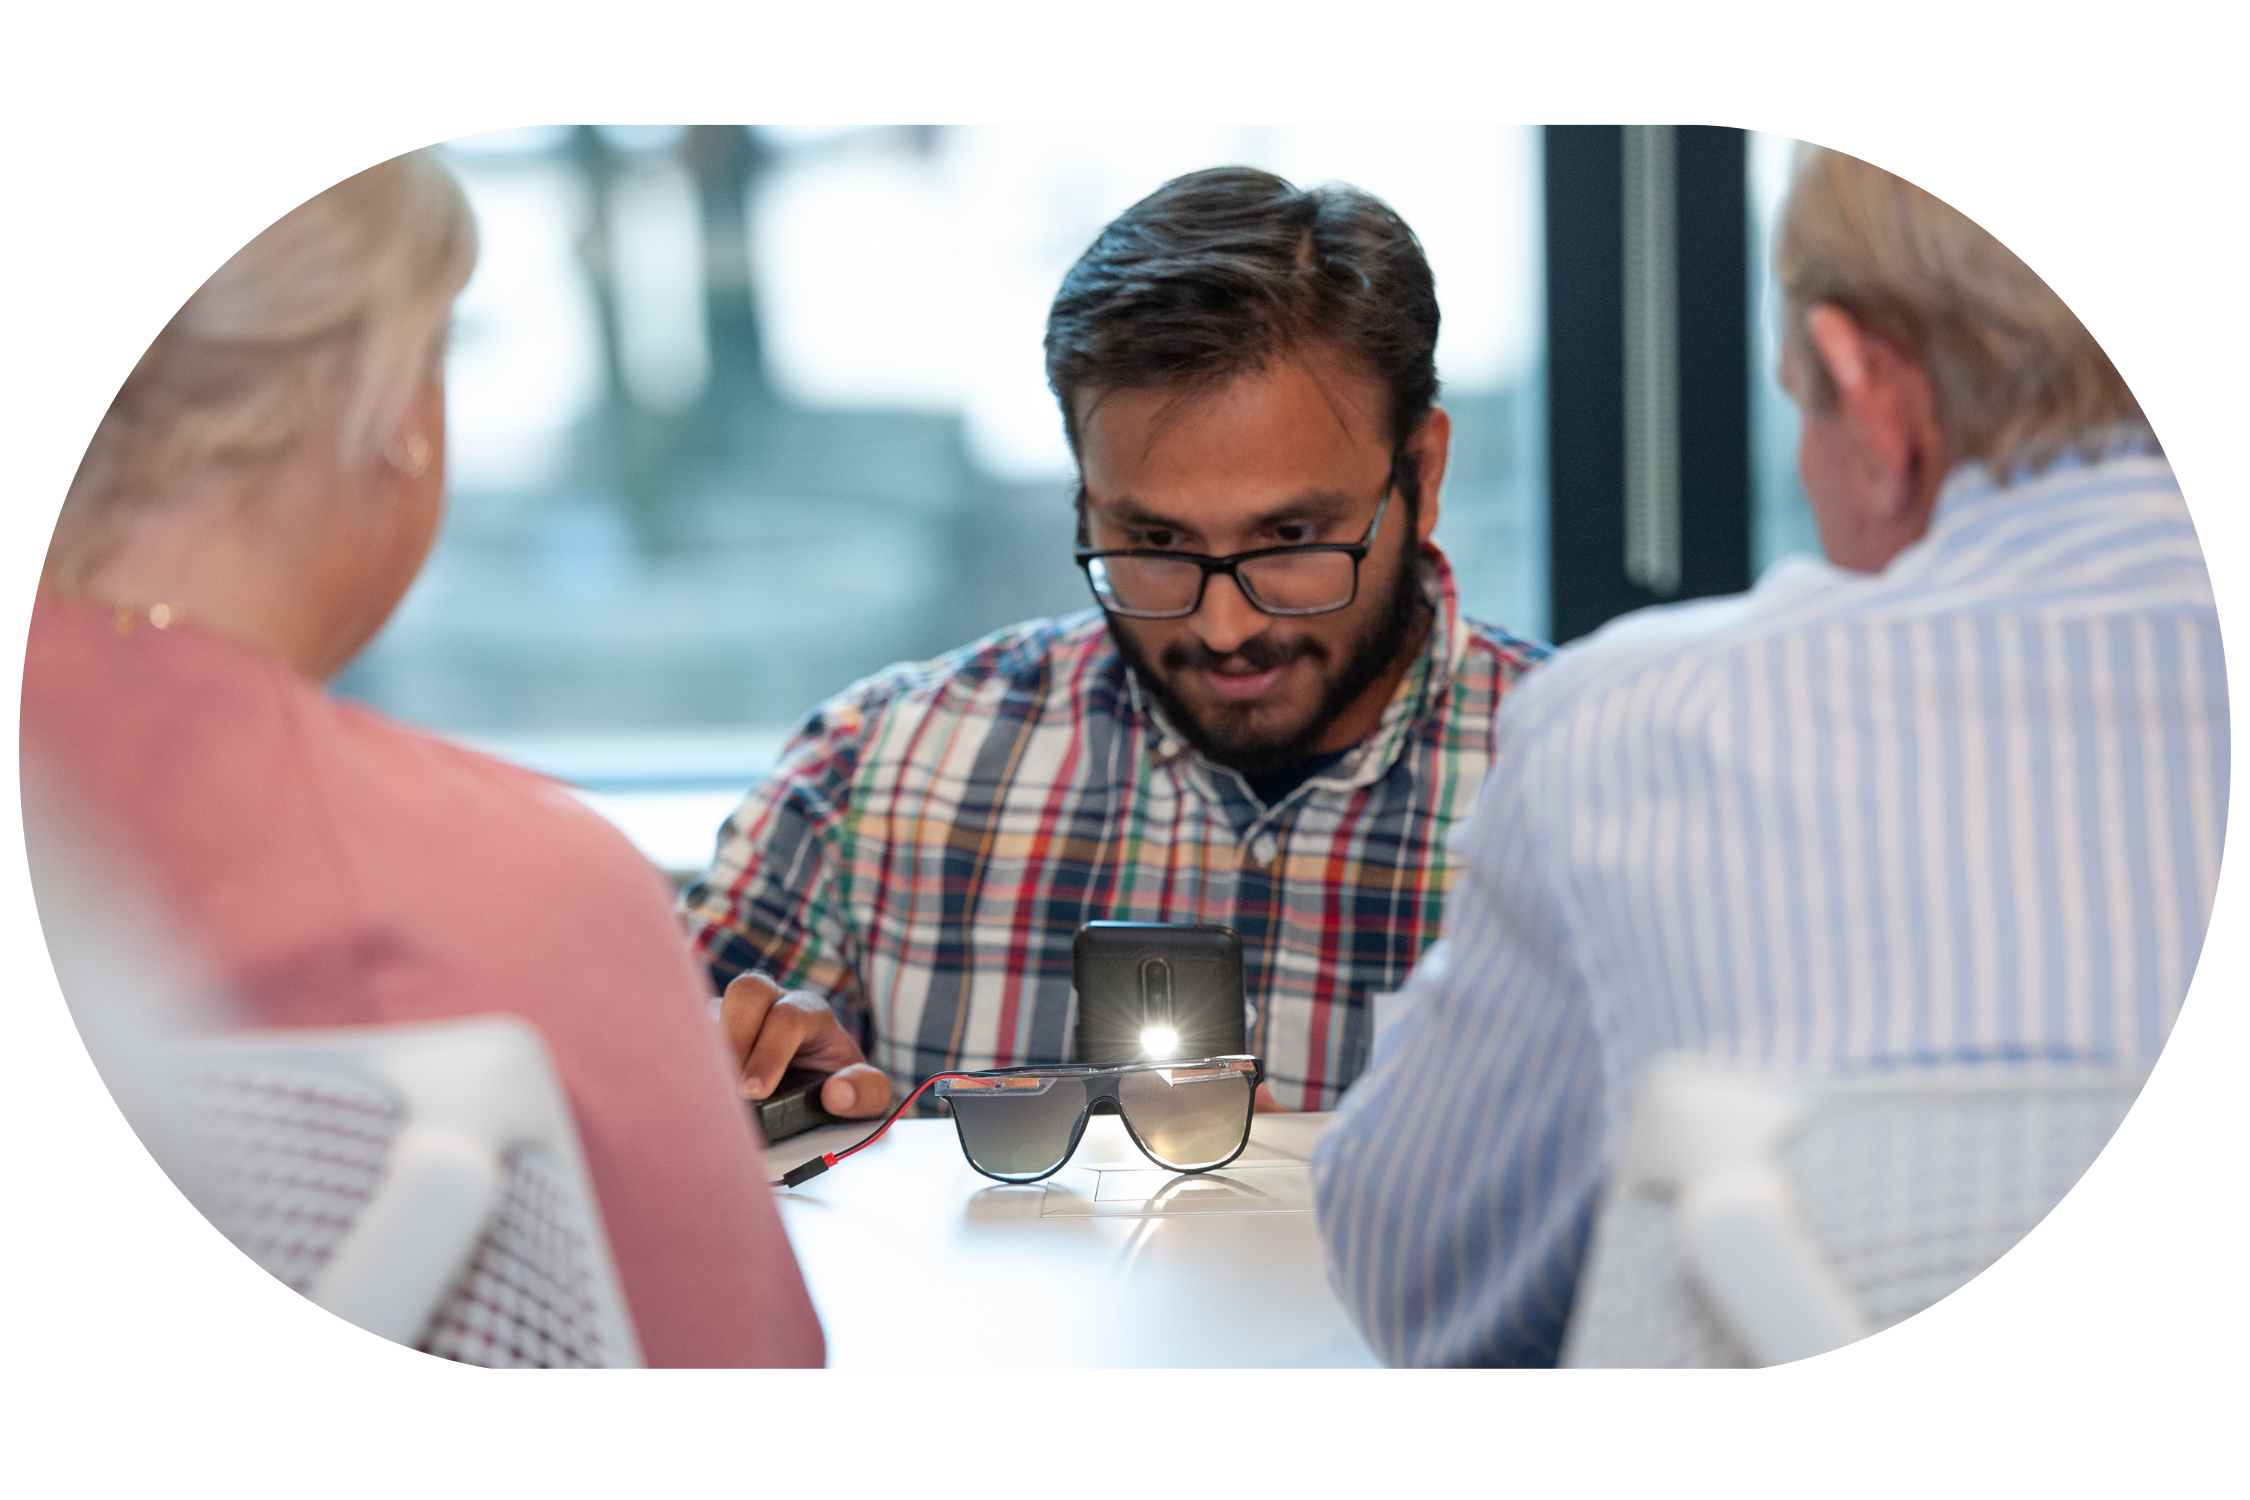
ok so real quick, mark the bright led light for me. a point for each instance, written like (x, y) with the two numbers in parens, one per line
(1158, 1041)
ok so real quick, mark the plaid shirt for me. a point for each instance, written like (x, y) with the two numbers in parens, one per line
(933, 838)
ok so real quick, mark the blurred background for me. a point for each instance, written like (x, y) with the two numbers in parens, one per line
(740, 415)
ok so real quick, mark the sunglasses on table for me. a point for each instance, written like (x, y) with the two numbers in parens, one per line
(1022, 1124)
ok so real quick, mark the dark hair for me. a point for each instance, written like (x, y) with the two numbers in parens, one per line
(1217, 273)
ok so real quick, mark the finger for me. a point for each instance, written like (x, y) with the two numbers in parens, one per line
(856, 1092)
(742, 1011)
(1265, 1103)
(775, 1047)
(825, 1045)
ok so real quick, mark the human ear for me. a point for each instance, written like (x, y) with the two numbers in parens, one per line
(1426, 450)
(417, 438)
(1873, 381)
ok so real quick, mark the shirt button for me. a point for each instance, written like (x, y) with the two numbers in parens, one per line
(1263, 849)
(1167, 747)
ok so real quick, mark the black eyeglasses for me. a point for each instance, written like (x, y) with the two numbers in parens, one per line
(1023, 1124)
(1316, 578)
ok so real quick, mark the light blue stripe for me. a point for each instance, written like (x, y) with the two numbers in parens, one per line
(1753, 847)
(1883, 924)
(1935, 1030)
(2176, 778)
(2093, 849)
(1999, 797)
(2138, 1007)
(1908, 810)
(1795, 977)
(1835, 915)
(2046, 812)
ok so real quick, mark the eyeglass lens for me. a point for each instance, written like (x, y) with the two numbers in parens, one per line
(1025, 1128)
(1186, 1118)
(1310, 581)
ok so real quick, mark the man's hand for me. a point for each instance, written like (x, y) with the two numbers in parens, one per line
(1264, 1103)
(767, 1032)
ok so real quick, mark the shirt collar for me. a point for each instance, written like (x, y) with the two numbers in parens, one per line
(1970, 487)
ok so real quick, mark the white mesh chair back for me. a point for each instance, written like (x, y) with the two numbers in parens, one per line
(1757, 1218)
(424, 1182)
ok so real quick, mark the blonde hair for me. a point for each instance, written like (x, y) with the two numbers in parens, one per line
(2016, 377)
(335, 313)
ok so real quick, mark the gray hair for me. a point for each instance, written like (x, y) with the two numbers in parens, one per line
(335, 314)
(2016, 377)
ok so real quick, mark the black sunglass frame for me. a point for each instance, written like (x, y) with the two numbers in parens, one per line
(1356, 551)
(1112, 1072)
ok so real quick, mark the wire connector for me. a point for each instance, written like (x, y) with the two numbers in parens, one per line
(819, 1164)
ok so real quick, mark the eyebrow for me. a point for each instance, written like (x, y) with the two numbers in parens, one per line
(1315, 505)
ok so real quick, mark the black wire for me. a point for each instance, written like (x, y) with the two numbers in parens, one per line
(806, 1171)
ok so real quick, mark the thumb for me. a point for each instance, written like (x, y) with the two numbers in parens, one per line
(856, 1092)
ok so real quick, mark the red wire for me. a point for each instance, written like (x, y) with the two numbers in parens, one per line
(906, 1104)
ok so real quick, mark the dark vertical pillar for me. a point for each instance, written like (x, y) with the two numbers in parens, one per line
(1715, 497)
(1586, 379)
(1586, 373)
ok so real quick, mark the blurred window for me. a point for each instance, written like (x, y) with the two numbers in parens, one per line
(1781, 523)
(737, 417)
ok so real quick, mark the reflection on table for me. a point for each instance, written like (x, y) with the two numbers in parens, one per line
(914, 1259)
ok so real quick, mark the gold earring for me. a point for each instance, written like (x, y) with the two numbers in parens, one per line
(162, 616)
(411, 458)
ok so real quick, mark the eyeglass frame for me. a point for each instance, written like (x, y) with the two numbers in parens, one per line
(1357, 551)
(1112, 1071)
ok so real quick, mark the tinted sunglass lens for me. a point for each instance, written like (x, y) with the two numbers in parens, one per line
(1022, 1129)
(1187, 1117)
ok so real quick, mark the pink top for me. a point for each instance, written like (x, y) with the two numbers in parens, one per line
(340, 870)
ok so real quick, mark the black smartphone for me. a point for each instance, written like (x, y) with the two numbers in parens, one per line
(794, 1105)
(1153, 990)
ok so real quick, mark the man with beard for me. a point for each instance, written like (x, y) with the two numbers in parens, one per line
(1271, 722)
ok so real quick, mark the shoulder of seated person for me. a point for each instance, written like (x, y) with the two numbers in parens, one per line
(479, 784)
(1660, 633)
(1015, 656)
(1023, 650)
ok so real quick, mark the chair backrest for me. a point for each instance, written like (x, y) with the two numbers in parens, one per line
(1757, 1217)
(423, 1182)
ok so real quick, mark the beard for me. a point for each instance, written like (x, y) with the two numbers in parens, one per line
(1232, 736)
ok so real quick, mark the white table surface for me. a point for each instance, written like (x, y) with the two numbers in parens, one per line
(915, 1259)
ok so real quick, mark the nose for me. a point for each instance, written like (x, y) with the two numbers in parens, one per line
(1225, 619)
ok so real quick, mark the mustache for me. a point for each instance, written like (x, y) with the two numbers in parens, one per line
(1260, 653)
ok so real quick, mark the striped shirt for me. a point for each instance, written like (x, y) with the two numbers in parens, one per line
(1966, 810)
(932, 839)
